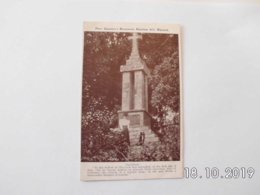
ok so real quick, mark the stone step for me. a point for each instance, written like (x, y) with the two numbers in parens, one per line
(134, 134)
(146, 135)
(152, 139)
(155, 139)
(147, 138)
(141, 130)
(138, 133)
(135, 140)
(144, 127)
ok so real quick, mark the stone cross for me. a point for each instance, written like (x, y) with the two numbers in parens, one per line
(134, 111)
(134, 39)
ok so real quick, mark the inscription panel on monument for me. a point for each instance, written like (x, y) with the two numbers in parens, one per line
(135, 119)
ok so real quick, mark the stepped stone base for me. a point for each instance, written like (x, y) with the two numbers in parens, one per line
(134, 134)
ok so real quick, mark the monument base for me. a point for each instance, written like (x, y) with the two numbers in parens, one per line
(139, 122)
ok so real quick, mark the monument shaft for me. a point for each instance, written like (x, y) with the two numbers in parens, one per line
(135, 96)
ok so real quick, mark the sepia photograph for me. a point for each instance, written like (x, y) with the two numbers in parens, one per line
(131, 97)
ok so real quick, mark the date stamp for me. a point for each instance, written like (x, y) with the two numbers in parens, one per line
(216, 173)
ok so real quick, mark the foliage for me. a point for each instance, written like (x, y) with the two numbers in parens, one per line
(112, 146)
(167, 149)
(165, 89)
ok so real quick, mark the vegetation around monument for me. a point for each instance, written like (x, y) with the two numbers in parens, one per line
(103, 55)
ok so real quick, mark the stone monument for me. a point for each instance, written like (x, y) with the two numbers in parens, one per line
(135, 96)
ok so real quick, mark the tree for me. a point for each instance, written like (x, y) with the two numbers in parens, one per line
(164, 83)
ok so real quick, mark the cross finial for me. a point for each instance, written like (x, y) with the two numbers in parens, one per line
(135, 36)
(134, 39)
